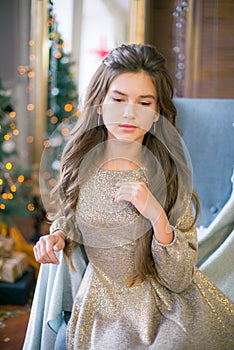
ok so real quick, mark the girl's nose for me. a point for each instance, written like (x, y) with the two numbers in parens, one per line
(129, 111)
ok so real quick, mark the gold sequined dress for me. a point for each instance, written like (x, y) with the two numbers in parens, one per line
(183, 310)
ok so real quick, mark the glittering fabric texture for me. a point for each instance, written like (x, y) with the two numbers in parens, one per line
(182, 310)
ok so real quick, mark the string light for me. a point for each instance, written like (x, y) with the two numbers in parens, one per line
(31, 74)
(63, 101)
(52, 182)
(30, 107)
(12, 114)
(50, 112)
(180, 16)
(15, 132)
(32, 57)
(21, 178)
(54, 119)
(57, 55)
(13, 183)
(31, 207)
(46, 175)
(65, 132)
(7, 137)
(8, 166)
(13, 188)
(46, 143)
(30, 139)
(68, 107)
(22, 70)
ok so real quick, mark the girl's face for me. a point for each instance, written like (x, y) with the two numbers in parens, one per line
(130, 107)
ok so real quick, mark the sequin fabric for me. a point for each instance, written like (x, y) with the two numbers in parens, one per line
(181, 310)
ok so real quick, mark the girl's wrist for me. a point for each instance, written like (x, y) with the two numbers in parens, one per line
(59, 232)
(163, 231)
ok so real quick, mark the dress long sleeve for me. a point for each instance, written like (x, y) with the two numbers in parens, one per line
(68, 226)
(175, 262)
(59, 224)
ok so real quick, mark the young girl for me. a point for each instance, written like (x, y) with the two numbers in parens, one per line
(125, 191)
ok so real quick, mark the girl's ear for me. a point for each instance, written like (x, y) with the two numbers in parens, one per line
(99, 109)
(156, 116)
(157, 113)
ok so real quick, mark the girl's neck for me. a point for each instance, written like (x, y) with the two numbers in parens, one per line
(120, 155)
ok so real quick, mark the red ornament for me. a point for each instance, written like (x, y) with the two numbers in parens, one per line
(102, 51)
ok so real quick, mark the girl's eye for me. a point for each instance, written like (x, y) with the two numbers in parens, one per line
(115, 99)
(143, 103)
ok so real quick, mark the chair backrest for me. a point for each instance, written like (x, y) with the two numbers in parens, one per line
(207, 128)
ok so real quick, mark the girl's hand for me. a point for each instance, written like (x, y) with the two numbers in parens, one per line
(45, 248)
(140, 196)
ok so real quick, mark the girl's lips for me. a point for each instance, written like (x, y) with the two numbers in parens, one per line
(127, 127)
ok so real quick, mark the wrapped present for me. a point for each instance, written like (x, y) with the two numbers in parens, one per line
(7, 246)
(21, 291)
(13, 268)
(2, 252)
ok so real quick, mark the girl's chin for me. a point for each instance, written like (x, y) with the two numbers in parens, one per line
(128, 136)
(126, 139)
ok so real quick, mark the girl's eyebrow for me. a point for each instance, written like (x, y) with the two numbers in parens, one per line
(119, 92)
(141, 96)
(147, 96)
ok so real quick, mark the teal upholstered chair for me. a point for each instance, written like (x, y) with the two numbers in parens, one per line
(207, 127)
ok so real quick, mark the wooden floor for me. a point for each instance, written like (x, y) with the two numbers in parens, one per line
(14, 318)
(13, 325)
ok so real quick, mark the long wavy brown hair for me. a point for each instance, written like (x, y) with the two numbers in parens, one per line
(85, 136)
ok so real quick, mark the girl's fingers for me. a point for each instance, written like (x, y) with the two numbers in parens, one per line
(141, 198)
(123, 196)
(50, 254)
(124, 192)
(129, 184)
(44, 252)
(131, 191)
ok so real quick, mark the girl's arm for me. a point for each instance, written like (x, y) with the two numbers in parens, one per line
(47, 246)
(175, 262)
(174, 252)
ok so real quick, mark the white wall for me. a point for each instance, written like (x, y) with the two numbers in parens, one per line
(102, 24)
(64, 16)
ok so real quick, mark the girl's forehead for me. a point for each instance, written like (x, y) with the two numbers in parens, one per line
(129, 82)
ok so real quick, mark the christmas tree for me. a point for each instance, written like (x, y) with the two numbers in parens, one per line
(62, 109)
(62, 90)
(15, 182)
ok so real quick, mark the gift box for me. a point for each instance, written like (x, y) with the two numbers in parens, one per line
(7, 246)
(13, 268)
(2, 250)
(20, 292)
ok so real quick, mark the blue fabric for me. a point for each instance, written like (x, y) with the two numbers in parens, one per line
(60, 342)
(55, 292)
(207, 130)
(216, 247)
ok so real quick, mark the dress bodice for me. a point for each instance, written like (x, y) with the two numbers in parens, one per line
(109, 229)
(104, 223)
